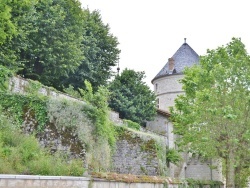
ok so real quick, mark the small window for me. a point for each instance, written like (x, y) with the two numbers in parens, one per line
(156, 87)
(157, 103)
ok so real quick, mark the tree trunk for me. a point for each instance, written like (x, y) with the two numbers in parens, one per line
(230, 170)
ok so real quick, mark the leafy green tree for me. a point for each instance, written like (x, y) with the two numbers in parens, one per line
(213, 117)
(20, 14)
(57, 42)
(48, 44)
(7, 28)
(100, 51)
(131, 97)
(56, 48)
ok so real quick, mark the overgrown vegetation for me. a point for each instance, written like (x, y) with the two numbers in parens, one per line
(88, 120)
(21, 154)
(4, 78)
(132, 125)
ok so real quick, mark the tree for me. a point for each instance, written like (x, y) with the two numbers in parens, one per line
(57, 42)
(56, 48)
(131, 97)
(16, 15)
(100, 52)
(48, 44)
(7, 27)
(213, 117)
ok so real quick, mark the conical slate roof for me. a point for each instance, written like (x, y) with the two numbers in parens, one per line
(185, 56)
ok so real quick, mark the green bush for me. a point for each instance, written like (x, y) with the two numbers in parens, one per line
(172, 156)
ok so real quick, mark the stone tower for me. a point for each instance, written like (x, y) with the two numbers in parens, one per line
(166, 82)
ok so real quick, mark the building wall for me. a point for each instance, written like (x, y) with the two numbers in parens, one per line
(167, 89)
(163, 126)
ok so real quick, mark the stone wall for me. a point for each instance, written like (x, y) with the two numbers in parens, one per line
(137, 153)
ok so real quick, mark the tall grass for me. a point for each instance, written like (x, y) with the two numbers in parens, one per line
(21, 154)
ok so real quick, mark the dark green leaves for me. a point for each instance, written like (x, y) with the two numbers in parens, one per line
(131, 97)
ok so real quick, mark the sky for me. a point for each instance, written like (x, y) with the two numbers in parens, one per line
(149, 32)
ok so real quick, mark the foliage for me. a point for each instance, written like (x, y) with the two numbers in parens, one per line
(213, 116)
(22, 154)
(47, 45)
(90, 121)
(100, 52)
(56, 42)
(55, 49)
(16, 105)
(72, 92)
(67, 114)
(172, 156)
(193, 183)
(23, 18)
(7, 27)
(132, 124)
(99, 112)
(4, 78)
(131, 97)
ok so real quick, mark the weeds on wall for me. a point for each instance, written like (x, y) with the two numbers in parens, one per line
(71, 114)
(103, 140)
(16, 105)
(22, 154)
(88, 120)
(131, 124)
(148, 142)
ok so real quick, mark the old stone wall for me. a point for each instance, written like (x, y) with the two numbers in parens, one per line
(138, 153)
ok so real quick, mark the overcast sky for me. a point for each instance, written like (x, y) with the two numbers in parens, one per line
(149, 32)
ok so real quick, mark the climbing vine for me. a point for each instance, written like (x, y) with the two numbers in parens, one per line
(16, 105)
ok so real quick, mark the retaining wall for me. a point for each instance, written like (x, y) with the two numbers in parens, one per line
(28, 181)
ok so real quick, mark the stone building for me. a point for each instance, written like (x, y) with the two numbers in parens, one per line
(167, 87)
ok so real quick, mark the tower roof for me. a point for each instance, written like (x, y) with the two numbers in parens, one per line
(185, 56)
